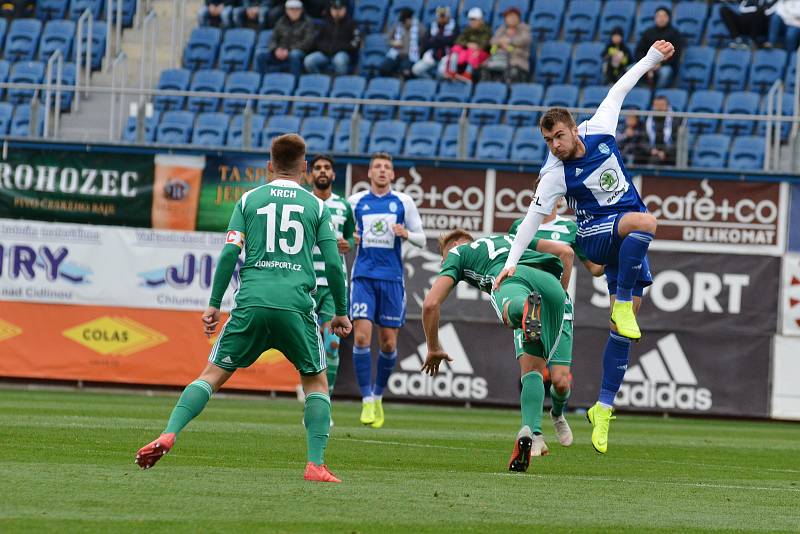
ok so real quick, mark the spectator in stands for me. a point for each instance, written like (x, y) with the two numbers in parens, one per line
(17, 9)
(316, 9)
(437, 42)
(471, 48)
(291, 40)
(660, 138)
(252, 14)
(616, 56)
(748, 20)
(405, 40)
(632, 141)
(337, 43)
(511, 50)
(663, 74)
(215, 13)
(785, 33)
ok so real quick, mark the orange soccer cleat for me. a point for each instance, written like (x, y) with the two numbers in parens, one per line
(153, 451)
(319, 473)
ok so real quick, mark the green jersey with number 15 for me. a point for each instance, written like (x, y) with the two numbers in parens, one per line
(281, 223)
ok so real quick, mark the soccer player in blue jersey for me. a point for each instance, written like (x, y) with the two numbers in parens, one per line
(384, 219)
(614, 228)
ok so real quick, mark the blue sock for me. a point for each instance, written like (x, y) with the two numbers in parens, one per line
(615, 363)
(362, 361)
(631, 254)
(386, 361)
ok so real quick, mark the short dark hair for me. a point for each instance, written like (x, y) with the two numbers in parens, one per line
(453, 235)
(556, 115)
(661, 97)
(321, 157)
(287, 152)
(665, 9)
(380, 155)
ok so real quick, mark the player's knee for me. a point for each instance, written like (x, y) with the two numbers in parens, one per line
(561, 382)
(388, 346)
(648, 223)
(362, 340)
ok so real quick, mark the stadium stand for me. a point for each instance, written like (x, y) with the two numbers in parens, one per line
(422, 139)
(318, 133)
(448, 148)
(580, 20)
(545, 19)
(711, 151)
(201, 50)
(488, 93)
(387, 136)
(210, 129)
(236, 130)
(346, 87)
(276, 83)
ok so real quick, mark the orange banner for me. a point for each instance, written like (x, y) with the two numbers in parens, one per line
(123, 345)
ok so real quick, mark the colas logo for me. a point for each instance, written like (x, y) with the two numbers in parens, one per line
(456, 379)
(115, 336)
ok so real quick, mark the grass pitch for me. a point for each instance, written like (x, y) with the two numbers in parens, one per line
(67, 465)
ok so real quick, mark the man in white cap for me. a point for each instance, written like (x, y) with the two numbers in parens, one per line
(292, 38)
(471, 48)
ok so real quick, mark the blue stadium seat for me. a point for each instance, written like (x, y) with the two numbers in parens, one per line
(397, 5)
(175, 127)
(565, 96)
(639, 98)
(580, 21)
(552, 62)
(99, 35)
(528, 145)
(448, 147)
(128, 11)
(318, 85)
(57, 35)
(201, 49)
(77, 7)
(236, 127)
(246, 81)
(711, 151)
(20, 124)
(22, 39)
(690, 18)
(318, 134)
(172, 80)
(524, 7)
(704, 101)
(717, 33)
(150, 125)
(341, 143)
(51, 9)
(791, 72)
(768, 65)
(6, 114)
(261, 52)
(697, 67)
(387, 136)
(429, 10)
(494, 142)
(591, 98)
(731, 69)
(787, 110)
(741, 102)
(587, 64)
(210, 129)
(275, 83)
(747, 153)
(207, 80)
(485, 5)
(545, 19)
(68, 74)
(236, 49)
(422, 139)
(372, 53)
(279, 125)
(678, 98)
(3, 30)
(417, 89)
(451, 92)
(346, 87)
(24, 72)
(381, 89)
(5, 69)
(371, 15)
(617, 13)
(524, 94)
(488, 93)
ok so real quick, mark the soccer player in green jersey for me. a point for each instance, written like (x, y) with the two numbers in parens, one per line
(532, 301)
(277, 225)
(322, 178)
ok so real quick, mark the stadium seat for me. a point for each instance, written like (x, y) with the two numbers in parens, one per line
(422, 139)
(341, 142)
(201, 49)
(275, 83)
(128, 11)
(451, 92)
(587, 64)
(485, 5)
(787, 110)
(524, 94)
(5, 69)
(417, 89)
(387, 136)
(448, 147)
(261, 52)
(545, 19)
(6, 114)
(318, 85)
(711, 151)
(768, 65)
(207, 80)
(372, 53)
(51, 9)
(524, 7)
(210, 129)
(24, 72)
(619, 13)
(528, 145)
(236, 49)
(381, 89)
(677, 98)
(68, 73)
(638, 98)
(696, 69)
(488, 93)
(590, 98)
(690, 18)
(3, 30)
(57, 35)
(346, 87)
(717, 33)
(705, 102)
(77, 7)
(150, 125)
(318, 134)
(99, 35)
(246, 81)
(494, 142)
(744, 103)
(397, 5)
(731, 69)
(429, 11)
(645, 18)
(236, 129)
(565, 96)
(370, 15)
(580, 21)
(747, 153)
(175, 127)
(279, 125)
(20, 124)
(22, 39)
(791, 73)
(172, 80)
(552, 62)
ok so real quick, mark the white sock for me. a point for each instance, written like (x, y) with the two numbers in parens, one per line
(368, 398)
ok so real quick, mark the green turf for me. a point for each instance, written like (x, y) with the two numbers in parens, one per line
(67, 465)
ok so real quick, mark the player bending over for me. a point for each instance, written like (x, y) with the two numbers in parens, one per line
(277, 225)
(531, 300)
(614, 228)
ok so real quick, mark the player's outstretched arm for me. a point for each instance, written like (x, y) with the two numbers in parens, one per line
(430, 322)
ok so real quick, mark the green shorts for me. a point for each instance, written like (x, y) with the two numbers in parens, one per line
(563, 352)
(525, 280)
(251, 331)
(325, 308)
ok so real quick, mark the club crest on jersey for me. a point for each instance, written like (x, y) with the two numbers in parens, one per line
(379, 227)
(603, 148)
(609, 180)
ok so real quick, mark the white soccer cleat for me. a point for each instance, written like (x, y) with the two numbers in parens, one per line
(563, 431)
(539, 447)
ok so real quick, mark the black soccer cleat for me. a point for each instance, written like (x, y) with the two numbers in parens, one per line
(532, 317)
(521, 457)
